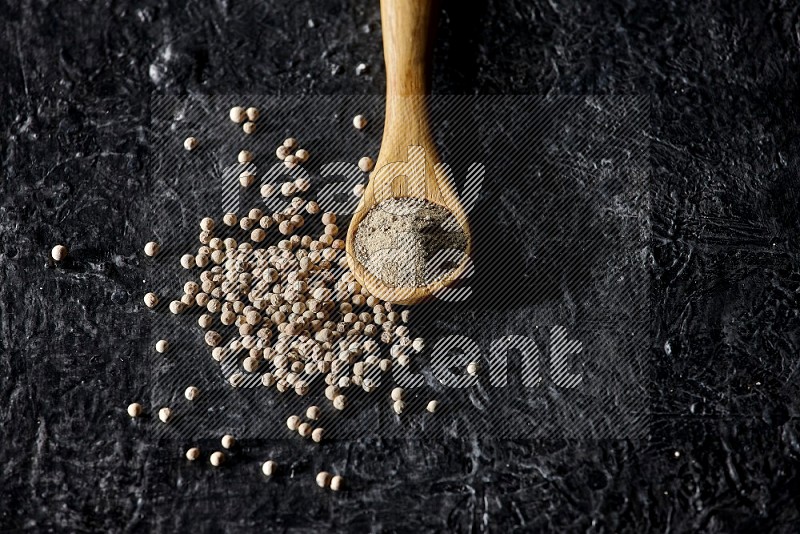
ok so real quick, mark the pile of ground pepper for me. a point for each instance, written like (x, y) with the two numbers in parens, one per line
(400, 236)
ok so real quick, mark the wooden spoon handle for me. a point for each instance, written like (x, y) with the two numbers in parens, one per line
(408, 32)
(408, 35)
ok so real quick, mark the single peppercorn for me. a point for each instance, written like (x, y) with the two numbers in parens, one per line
(366, 164)
(237, 114)
(193, 454)
(135, 409)
(304, 429)
(191, 393)
(217, 458)
(59, 252)
(151, 248)
(269, 467)
(151, 300)
(164, 414)
(323, 479)
(190, 143)
(293, 422)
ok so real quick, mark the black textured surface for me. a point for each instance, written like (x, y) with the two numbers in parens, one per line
(722, 75)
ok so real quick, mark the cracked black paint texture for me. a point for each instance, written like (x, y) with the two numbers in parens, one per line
(724, 451)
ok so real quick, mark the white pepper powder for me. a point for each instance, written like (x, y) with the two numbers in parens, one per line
(398, 237)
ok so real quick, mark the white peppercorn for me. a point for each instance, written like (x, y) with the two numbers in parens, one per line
(151, 248)
(337, 483)
(164, 414)
(304, 429)
(230, 219)
(190, 143)
(249, 127)
(228, 441)
(252, 113)
(317, 434)
(162, 346)
(245, 156)
(193, 454)
(187, 261)
(59, 252)
(246, 179)
(323, 479)
(135, 409)
(191, 393)
(313, 412)
(237, 114)
(269, 467)
(359, 122)
(340, 401)
(366, 164)
(151, 300)
(217, 458)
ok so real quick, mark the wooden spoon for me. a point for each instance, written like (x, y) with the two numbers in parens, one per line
(407, 163)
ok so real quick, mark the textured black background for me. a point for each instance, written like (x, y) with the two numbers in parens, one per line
(76, 79)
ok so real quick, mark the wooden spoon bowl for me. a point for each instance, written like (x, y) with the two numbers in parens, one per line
(408, 163)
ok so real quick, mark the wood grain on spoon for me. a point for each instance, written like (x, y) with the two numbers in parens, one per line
(406, 165)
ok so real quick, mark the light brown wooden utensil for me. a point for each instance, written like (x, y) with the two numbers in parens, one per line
(408, 27)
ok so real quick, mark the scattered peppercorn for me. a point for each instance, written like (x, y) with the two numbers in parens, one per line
(237, 114)
(59, 252)
(193, 454)
(164, 414)
(269, 467)
(135, 409)
(359, 122)
(151, 300)
(190, 143)
(152, 248)
(217, 458)
(252, 114)
(366, 164)
(323, 479)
